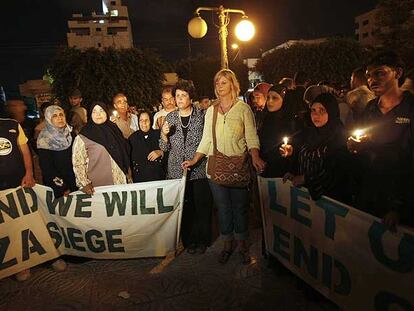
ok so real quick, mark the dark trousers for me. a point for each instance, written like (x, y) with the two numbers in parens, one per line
(197, 210)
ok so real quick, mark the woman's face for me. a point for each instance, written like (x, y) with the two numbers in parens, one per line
(274, 101)
(223, 87)
(144, 122)
(319, 115)
(58, 119)
(182, 98)
(99, 115)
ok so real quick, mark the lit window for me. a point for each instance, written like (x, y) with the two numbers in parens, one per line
(101, 21)
(114, 12)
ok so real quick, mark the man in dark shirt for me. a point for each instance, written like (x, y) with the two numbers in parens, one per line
(386, 146)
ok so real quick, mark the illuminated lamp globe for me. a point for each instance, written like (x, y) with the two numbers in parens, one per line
(197, 27)
(245, 30)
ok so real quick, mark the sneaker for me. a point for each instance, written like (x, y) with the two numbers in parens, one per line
(59, 265)
(23, 275)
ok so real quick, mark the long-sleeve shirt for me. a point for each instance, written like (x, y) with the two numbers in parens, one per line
(235, 131)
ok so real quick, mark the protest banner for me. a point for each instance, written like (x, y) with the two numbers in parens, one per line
(345, 254)
(122, 221)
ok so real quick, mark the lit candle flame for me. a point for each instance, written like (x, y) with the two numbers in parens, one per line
(358, 134)
(285, 140)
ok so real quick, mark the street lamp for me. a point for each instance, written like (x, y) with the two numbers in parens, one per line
(197, 28)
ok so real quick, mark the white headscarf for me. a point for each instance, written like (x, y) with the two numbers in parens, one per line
(52, 137)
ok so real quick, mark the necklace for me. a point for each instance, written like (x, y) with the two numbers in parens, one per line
(189, 120)
(225, 113)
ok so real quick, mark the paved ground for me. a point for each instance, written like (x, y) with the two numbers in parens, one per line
(187, 282)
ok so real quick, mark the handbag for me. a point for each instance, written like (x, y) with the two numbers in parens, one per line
(230, 171)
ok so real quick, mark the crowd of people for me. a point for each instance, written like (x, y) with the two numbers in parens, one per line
(356, 147)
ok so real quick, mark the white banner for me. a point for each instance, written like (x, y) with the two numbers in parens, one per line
(344, 253)
(123, 221)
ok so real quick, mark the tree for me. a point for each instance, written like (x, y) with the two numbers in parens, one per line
(332, 60)
(395, 23)
(202, 69)
(99, 75)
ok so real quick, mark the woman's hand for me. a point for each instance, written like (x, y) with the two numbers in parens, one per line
(187, 164)
(297, 180)
(154, 155)
(357, 145)
(258, 164)
(88, 189)
(391, 221)
(66, 192)
(288, 176)
(286, 150)
(28, 181)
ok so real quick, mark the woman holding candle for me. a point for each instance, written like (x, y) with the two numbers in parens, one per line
(320, 154)
(275, 127)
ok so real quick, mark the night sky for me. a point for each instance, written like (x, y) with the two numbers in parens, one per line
(31, 30)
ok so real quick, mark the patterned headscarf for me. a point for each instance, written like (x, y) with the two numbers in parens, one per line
(51, 137)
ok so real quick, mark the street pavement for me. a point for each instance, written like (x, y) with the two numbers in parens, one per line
(185, 282)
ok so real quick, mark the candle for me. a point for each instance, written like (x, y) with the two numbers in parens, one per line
(358, 134)
(285, 141)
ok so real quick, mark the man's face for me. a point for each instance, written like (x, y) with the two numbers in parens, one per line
(381, 79)
(75, 100)
(17, 110)
(204, 103)
(121, 104)
(168, 101)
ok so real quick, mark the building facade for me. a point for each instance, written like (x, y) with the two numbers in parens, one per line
(365, 28)
(111, 28)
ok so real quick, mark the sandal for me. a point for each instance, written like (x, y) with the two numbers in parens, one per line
(224, 256)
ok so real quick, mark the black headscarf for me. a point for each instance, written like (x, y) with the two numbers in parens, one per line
(108, 135)
(275, 125)
(331, 133)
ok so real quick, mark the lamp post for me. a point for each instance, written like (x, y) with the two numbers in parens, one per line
(197, 28)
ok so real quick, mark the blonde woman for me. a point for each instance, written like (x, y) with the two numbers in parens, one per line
(236, 134)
